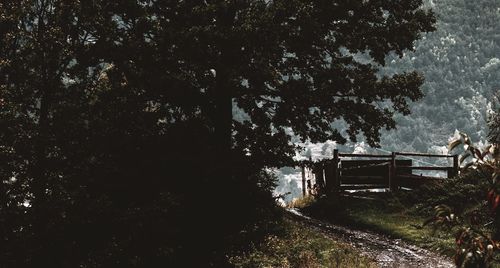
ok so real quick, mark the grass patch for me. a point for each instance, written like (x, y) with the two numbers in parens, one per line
(403, 224)
(299, 246)
(302, 202)
(383, 215)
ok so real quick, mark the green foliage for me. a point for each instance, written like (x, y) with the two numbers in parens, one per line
(385, 214)
(301, 247)
(494, 124)
(460, 64)
(477, 245)
(460, 194)
(401, 223)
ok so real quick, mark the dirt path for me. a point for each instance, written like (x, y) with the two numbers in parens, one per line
(385, 251)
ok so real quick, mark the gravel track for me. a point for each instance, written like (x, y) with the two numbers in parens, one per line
(387, 252)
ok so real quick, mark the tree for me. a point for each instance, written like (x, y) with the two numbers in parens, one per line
(114, 110)
(459, 66)
(294, 68)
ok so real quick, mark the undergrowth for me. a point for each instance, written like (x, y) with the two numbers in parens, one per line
(301, 247)
(302, 202)
(403, 214)
(384, 215)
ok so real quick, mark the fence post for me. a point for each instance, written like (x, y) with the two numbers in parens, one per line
(328, 177)
(303, 180)
(336, 174)
(319, 174)
(455, 166)
(392, 173)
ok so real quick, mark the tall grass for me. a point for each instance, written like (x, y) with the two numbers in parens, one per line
(302, 202)
(301, 247)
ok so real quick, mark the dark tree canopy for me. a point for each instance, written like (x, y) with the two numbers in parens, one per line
(290, 64)
(111, 113)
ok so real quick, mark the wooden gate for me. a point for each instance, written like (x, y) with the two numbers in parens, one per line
(370, 171)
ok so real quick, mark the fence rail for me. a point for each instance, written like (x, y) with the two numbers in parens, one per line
(366, 155)
(425, 155)
(428, 168)
(342, 174)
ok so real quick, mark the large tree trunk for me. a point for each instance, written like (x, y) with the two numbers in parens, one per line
(223, 117)
(40, 182)
(223, 97)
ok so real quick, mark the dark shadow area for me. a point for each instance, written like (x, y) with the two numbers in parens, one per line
(138, 133)
(143, 201)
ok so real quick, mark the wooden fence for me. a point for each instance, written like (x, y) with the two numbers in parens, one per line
(368, 171)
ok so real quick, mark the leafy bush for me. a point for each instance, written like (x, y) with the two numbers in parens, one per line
(477, 222)
(460, 193)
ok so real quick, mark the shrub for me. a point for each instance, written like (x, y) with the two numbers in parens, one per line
(476, 224)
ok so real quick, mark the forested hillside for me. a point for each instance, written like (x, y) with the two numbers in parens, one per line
(460, 62)
(461, 65)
